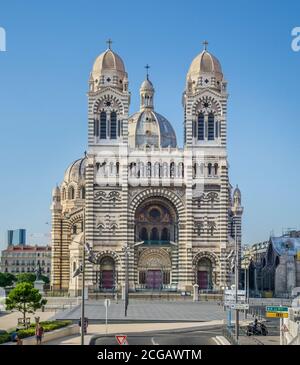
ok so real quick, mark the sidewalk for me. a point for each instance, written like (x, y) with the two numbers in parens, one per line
(10, 320)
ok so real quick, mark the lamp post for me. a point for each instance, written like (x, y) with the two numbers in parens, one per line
(236, 272)
(126, 253)
(82, 294)
(126, 299)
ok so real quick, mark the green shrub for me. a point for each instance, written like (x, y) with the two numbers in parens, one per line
(26, 332)
(5, 337)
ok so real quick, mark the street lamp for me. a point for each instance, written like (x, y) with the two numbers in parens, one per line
(236, 272)
(126, 250)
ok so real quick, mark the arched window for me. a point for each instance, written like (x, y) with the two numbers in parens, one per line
(165, 235)
(154, 234)
(209, 166)
(194, 170)
(82, 192)
(103, 125)
(216, 169)
(211, 127)
(118, 167)
(113, 125)
(201, 127)
(64, 194)
(71, 194)
(172, 170)
(217, 129)
(149, 168)
(144, 234)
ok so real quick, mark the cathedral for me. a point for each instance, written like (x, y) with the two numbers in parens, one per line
(162, 216)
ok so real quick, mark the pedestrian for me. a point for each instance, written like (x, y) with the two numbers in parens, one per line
(39, 332)
(85, 325)
(19, 341)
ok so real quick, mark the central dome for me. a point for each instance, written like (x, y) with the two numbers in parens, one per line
(148, 128)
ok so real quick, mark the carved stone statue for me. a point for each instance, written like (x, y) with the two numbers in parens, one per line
(38, 272)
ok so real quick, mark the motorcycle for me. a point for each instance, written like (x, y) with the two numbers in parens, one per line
(257, 329)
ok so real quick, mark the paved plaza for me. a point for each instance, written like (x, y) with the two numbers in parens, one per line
(147, 311)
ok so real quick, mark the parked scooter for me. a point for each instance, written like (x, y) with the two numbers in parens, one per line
(257, 328)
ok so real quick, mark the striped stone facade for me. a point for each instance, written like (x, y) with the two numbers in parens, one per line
(172, 208)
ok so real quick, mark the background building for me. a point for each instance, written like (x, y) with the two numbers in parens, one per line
(172, 209)
(25, 258)
(274, 265)
(16, 237)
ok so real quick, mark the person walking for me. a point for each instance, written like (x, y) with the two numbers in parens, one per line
(39, 332)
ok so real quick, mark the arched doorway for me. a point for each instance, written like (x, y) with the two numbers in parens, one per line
(204, 274)
(107, 274)
(154, 268)
(156, 222)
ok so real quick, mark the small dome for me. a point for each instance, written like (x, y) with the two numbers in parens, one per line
(147, 86)
(207, 66)
(56, 192)
(109, 67)
(76, 171)
(148, 128)
(237, 196)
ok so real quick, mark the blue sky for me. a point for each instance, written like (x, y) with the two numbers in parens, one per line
(51, 47)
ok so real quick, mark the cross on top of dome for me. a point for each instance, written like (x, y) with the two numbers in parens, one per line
(205, 44)
(109, 42)
(147, 71)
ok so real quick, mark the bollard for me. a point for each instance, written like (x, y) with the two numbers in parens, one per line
(196, 293)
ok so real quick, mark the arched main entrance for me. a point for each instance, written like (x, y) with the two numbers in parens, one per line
(204, 274)
(106, 278)
(154, 269)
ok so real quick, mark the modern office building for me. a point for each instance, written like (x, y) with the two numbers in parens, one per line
(16, 236)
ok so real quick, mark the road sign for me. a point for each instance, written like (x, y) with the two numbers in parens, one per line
(122, 339)
(277, 315)
(106, 303)
(240, 306)
(277, 309)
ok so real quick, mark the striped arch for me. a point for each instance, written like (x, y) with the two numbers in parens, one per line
(209, 255)
(197, 105)
(108, 253)
(159, 193)
(108, 97)
(77, 217)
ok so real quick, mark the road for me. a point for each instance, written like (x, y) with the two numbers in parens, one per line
(195, 336)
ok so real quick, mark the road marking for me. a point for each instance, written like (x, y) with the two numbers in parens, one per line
(216, 340)
(153, 342)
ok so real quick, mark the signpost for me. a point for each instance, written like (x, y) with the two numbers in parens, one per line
(240, 306)
(277, 315)
(121, 339)
(106, 305)
(278, 312)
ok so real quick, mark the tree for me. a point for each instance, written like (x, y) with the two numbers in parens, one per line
(25, 298)
(7, 279)
(30, 278)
